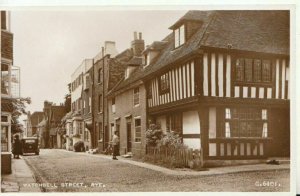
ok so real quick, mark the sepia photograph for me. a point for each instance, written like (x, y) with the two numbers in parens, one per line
(145, 100)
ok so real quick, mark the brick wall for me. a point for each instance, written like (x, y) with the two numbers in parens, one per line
(6, 45)
(124, 107)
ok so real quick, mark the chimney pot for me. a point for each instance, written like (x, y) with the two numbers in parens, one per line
(135, 35)
(140, 35)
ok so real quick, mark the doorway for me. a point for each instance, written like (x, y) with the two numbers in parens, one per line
(129, 142)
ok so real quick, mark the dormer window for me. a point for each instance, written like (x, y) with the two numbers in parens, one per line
(126, 73)
(147, 59)
(179, 35)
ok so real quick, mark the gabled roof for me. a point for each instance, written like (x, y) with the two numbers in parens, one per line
(255, 31)
(193, 15)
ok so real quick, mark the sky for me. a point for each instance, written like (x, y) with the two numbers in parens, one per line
(49, 45)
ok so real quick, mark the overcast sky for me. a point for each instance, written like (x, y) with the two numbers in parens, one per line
(50, 45)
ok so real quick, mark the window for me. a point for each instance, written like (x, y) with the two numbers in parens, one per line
(246, 122)
(239, 68)
(146, 59)
(5, 79)
(100, 103)
(80, 127)
(248, 70)
(113, 106)
(252, 70)
(4, 118)
(136, 96)
(89, 105)
(257, 70)
(266, 71)
(164, 83)
(4, 138)
(112, 129)
(126, 73)
(179, 36)
(138, 129)
(174, 122)
(100, 131)
(99, 75)
(86, 135)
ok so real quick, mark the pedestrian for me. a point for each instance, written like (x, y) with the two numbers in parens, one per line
(17, 147)
(115, 142)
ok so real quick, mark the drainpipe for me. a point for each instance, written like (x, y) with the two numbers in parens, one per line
(103, 90)
(92, 98)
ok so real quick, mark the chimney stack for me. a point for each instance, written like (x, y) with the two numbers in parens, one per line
(138, 44)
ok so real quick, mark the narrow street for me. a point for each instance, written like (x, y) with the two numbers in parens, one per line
(62, 171)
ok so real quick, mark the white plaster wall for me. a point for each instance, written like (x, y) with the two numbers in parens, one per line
(194, 143)
(162, 120)
(191, 123)
(212, 122)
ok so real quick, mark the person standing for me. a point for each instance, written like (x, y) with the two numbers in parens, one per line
(17, 147)
(115, 143)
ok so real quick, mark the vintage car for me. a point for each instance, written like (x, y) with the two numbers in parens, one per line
(30, 145)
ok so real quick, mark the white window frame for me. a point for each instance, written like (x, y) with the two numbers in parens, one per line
(179, 36)
(137, 118)
(113, 106)
(134, 94)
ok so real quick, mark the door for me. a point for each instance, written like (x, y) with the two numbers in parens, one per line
(128, 127)
(280, 133)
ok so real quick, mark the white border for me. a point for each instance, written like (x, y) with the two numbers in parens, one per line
(185, 5)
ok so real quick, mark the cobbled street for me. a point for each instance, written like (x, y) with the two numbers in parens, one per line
(62, 169)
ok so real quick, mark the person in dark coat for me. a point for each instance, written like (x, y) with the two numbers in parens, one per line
(17, 147)
(115, 143)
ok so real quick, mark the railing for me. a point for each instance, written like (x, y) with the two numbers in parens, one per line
(183, 157)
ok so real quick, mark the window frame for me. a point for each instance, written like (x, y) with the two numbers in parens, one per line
(241, 76)
(100, 75)
(137, 139)
(230, 121)
(100, 106)
(165, 83)
(138, 97)
(178, 34)
(113, 105)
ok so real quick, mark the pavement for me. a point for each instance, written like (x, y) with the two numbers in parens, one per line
(20, 179)
(190, 172)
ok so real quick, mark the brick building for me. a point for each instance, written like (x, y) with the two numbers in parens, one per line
(127, 103)
(107, 72)
(32, 123)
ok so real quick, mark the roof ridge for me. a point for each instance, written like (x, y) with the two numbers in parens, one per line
(209, 23)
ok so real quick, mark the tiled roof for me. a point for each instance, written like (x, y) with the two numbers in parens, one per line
(135, 61)
(258, 31)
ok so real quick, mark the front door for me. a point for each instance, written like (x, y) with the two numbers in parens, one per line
(128, 127)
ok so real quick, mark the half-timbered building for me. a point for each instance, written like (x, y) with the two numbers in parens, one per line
(221, 80)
